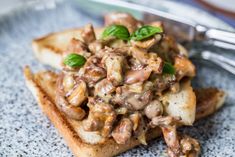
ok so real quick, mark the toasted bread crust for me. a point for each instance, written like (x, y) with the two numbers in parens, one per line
(208, 101)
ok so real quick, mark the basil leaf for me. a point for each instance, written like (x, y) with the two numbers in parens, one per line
(145, 32)
(118, 31)
(168, 68)
(74, 60)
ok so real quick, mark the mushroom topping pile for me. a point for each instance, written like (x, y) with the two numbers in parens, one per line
(113, 83)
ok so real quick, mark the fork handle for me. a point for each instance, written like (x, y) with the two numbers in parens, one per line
(225, 63)
(217, 37)
(220, 35)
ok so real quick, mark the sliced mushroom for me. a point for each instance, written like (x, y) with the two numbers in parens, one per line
(148, 85)
(71, 111)
(88, 34)
(172, 140)
(104, 88)
(103, 52)
(101, 118)
(135, 118)
(138, 101)
(155, 63)
(166, 49)
(138, 87)
(140, 54)
(141, 131)
(79, 94)
(135, 64)
(162, 82)
(135, 87)
(151, 59)
(92, 71)
(168, 127)
(134, 76)
(148, 43)
(164, 121)
(123, 131)
(122, 19)
(121, 110)
(131, 98)
(184, 67)
(153, 109)
(177, 145)
(96, 46)
(77, 46)
(114, 65)
(123, 50)
(120, 97)
(175, 88)
(189, 146)
(68, 83)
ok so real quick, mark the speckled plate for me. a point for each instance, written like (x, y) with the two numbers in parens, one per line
(25, 131)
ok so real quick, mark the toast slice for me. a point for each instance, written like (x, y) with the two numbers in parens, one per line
(208, 100)
(49, 49)
(42, 86)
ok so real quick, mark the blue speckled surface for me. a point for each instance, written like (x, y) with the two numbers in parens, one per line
(25, 131)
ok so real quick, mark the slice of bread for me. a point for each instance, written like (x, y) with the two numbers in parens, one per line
(42, 86)
(208, 100)
(49, 49)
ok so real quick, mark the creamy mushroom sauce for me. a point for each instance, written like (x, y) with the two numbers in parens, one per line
(116, 92)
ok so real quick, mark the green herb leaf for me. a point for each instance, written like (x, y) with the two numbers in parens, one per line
(145, 32)
(168, 68)
(74, 60)
(118, 31)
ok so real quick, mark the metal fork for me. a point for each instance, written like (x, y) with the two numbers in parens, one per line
(184, 30)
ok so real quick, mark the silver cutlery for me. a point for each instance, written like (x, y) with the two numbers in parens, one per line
(184, 30)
